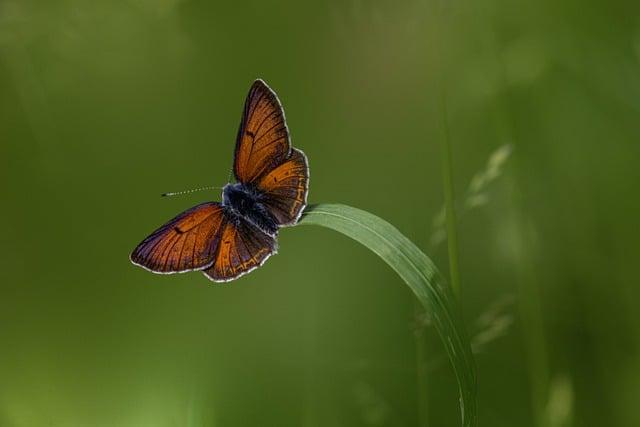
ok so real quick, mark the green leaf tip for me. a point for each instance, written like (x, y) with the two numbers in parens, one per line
(422, 277)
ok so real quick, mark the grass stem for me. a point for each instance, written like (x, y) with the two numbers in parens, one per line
(421, 365)
(449, 197)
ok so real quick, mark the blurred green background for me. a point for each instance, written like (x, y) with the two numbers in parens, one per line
(106, 104)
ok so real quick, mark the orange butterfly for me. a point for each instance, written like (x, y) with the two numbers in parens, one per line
(226, 240)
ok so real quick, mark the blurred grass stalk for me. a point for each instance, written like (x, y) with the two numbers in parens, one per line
(419, 335)
(454, 274)
(531, 317)
(524, 255)
(449, 197)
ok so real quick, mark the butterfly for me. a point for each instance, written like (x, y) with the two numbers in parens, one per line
(228, 239)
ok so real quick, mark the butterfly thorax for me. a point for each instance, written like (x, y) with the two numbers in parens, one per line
(244, 202)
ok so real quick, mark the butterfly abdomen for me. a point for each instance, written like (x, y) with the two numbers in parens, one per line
(244, 202)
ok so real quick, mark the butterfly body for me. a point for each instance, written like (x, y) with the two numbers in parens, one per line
(245, 202)
(228, 239)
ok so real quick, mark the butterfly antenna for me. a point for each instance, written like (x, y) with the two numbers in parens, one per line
(178, 193)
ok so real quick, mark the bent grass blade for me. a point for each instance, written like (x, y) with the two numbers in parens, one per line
(422, 277)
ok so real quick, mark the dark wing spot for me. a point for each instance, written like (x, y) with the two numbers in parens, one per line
(251, 134)
(177, 230)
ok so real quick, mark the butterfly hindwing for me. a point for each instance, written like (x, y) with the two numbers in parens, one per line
(243, 247)
(186, 243)
(285, 188)
(263, 138)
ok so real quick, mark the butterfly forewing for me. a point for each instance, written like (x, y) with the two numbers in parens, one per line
(285, 188)
(243, 247)
(187, 242)
(263, 137)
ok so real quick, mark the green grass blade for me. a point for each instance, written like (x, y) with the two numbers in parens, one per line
(421, 275)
